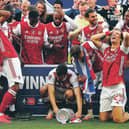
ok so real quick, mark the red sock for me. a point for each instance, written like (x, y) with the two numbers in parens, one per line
(8, 99)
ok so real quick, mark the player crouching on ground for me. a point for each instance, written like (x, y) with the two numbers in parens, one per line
(62, 85)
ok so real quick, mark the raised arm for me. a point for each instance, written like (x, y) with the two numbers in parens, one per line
(4, 15)
(73, 34)
(96, 39)
(126, 39)
(73, 25)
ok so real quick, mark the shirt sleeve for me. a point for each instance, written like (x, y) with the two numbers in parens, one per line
(46, 43)
(51, 78)
(105, 26)
(70, 24)
(17, 30)
(124, 49)
(120, 24)
(74, 80)
(91, 44)
(83, 37)
(103, 47)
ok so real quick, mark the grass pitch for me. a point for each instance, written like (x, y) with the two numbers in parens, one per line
(42, 123)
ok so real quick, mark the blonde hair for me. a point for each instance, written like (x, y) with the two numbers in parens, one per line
(43, 16)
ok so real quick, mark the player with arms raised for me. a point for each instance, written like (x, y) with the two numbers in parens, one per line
(113, 95)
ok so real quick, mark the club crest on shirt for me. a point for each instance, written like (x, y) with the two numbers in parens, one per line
(51, 32)
(33, 32)
(57, 32)
(39, 32)
(88, 35)
(49, 77)
(26, 32)
(62, 30)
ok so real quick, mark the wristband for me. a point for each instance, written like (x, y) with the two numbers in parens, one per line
(107, 33)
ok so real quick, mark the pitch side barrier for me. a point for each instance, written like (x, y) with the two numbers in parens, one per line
(35, 76)
(28, 98)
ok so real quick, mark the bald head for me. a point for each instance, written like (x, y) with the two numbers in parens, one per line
(24, 7)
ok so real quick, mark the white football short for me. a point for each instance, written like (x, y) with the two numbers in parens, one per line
(11, 69)
(111, 96)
